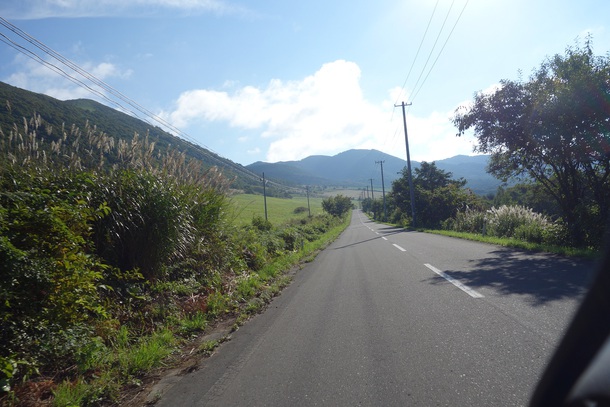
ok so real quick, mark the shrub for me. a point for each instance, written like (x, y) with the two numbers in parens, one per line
(291, 238)
(300, 209)
(261, 224)
(49, 278)
(470, 221)
(511, 222)
(505, 220)
(337, 205)
(149, 224)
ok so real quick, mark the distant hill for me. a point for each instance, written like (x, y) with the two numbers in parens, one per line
(352, 168)
(18, 104)
(355, 168)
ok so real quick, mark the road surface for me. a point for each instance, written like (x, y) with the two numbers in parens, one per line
(385, 317)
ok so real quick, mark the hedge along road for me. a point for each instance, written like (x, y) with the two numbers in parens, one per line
(395, 318)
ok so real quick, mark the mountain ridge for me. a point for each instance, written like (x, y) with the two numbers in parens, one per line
(350, 168)
(356, 168)
(20, 105)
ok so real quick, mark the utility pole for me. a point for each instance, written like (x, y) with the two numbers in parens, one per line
(372, 194)
(308, 207)
(411, 191)
(385, 215)
(367, 192)
(265, 194)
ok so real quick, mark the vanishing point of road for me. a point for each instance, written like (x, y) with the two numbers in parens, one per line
(387, 317)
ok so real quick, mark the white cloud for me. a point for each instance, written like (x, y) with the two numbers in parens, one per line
(324, 113)
(37, 77)
(106, 70)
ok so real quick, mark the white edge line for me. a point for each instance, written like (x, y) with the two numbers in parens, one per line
(398, 247)
(466, 289)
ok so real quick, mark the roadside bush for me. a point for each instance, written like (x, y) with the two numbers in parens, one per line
(291, 238)
(470, 221)
(533, 232)
(337, 205)
(505, 220)
(261, 224)
(49, 278)
(557, 234)
(511, 222)
(300, 209)
(149, 224)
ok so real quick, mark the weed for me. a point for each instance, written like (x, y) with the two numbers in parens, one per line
(193, 324)
(146, 354)
(207, 347)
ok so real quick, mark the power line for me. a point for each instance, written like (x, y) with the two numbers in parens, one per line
(49, 51)
(106, 87)
(419, 83)
(417, 53)
(433, 46)
(441, 51)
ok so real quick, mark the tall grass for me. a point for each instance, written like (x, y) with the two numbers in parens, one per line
(512, 222)
(112, 253)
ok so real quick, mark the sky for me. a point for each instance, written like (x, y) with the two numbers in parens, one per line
(280, 80)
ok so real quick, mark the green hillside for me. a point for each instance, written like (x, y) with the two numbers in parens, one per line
(18, 105)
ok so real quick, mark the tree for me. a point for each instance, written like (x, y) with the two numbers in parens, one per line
(337, 205)
(554, 129)
(437, 195)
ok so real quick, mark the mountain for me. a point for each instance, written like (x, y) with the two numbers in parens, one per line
(19, 105)
(355, 168)
(352, 168)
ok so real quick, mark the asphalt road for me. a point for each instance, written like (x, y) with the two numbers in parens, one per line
(385, 317)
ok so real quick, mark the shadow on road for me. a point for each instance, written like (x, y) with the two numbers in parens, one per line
(383, 232)
(543, 278)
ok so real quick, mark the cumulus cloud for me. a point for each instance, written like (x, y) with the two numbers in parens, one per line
(38, 9)
(324, 113)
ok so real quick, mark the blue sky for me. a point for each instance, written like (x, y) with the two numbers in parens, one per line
(278, 80)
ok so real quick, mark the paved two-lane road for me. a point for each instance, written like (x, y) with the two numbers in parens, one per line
(385, 317)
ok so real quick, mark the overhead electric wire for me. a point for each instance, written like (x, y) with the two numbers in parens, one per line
(440, 52)
(106, 87)
(433, 47)
(418, 50)
(39, 59)
(49, 51)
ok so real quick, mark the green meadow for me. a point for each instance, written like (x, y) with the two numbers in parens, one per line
(279, 210)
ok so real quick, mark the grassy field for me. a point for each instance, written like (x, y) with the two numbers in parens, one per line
(279, 210)
(353, 193)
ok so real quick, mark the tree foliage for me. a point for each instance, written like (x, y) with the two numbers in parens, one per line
(555, 129)
(337, 205)
(437, 195)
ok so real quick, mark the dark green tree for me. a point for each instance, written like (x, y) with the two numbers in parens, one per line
(554, 129)
(437, 195)
(337, 205)
(530, 195)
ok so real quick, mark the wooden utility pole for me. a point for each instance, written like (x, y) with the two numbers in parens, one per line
(265, 194)
(308, 207)
(385, 215)
(411, 191)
